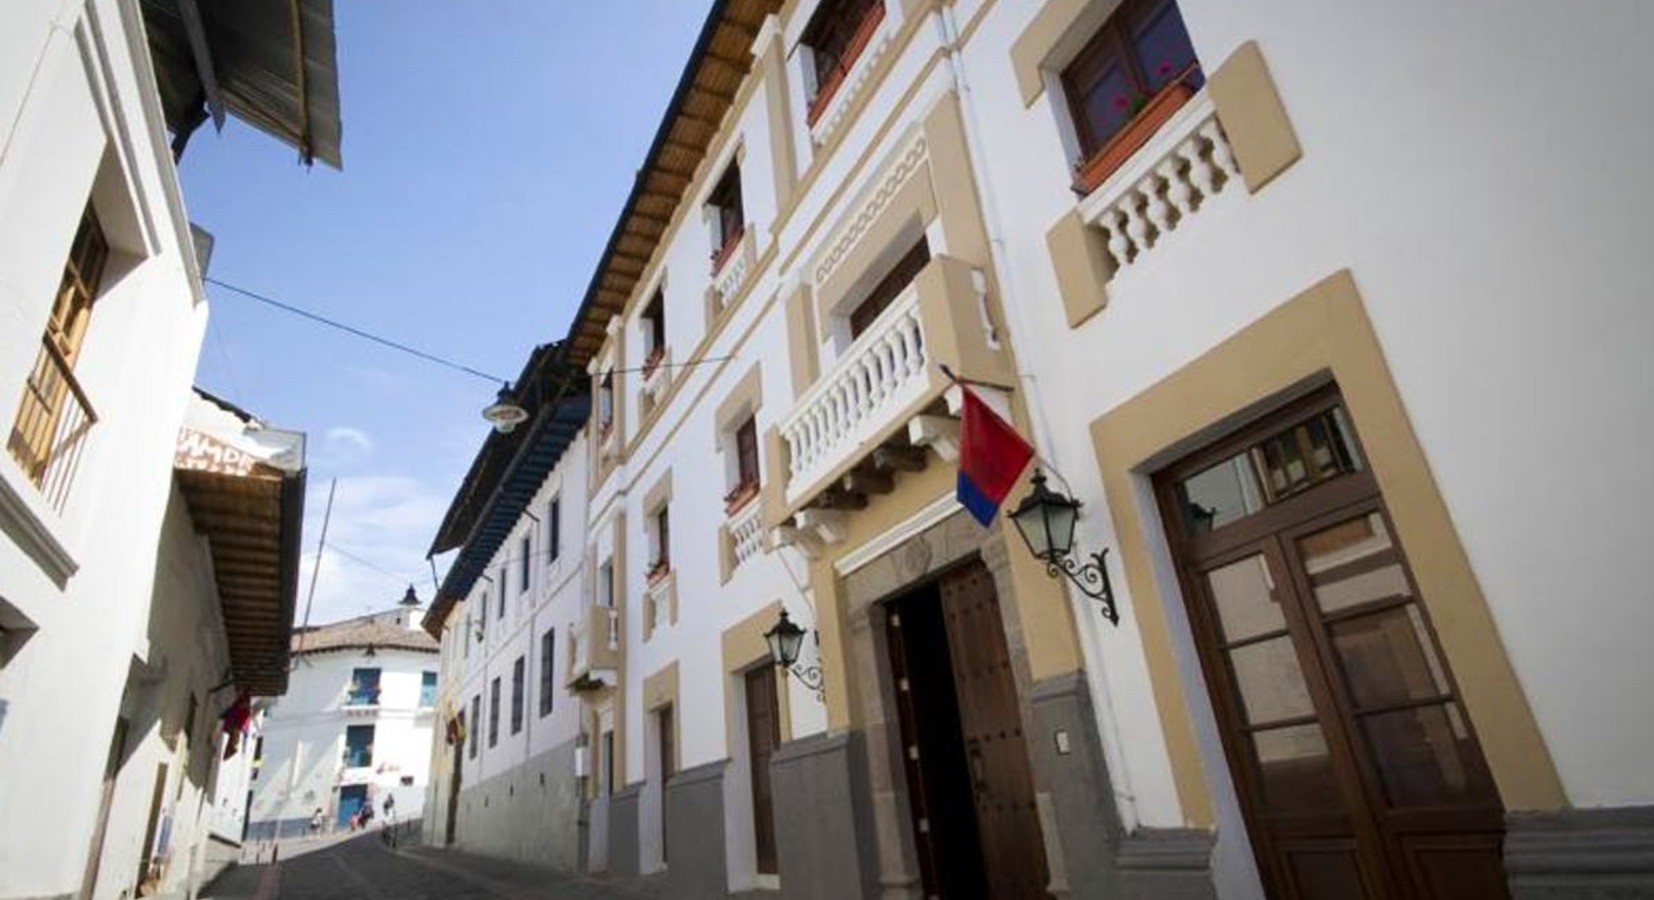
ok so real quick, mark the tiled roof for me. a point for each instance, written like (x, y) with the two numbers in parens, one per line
(362, 633)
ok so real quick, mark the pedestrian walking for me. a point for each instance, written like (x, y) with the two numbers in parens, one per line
(316, 822)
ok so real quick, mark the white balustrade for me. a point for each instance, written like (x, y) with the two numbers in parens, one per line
(880, 373)
(727, 281)
(746, 532)
(1172, 177)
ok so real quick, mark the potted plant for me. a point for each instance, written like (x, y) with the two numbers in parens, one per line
(658, 570)
(740, 497)
(1143, 117)
(722, 254)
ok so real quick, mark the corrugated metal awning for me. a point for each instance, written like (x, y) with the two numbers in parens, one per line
(270, 63)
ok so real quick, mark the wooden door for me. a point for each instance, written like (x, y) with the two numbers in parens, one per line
(668, 757)
(763, 736)
(454, 783)
(1358, 770)
(111, 770)
(996, 753)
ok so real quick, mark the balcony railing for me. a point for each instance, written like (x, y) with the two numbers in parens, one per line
(596, 654)
(1172, 177)
(746, 531)
(51, 427)
(890, 375)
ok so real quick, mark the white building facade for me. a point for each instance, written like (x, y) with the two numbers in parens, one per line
(122, 640)
(509, 771)
(1222, 266)
(353, 731)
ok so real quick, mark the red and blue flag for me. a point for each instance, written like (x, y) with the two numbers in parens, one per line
(991, 457)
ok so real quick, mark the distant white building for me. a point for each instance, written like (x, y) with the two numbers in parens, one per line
(354, 728)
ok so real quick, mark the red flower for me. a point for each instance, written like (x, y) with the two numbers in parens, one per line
(1121, 102)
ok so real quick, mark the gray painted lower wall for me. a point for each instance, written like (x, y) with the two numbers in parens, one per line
(1098, 858)
(696, 866)
(1590, 854)
(528, 814)
(824, 840)
(623, 831)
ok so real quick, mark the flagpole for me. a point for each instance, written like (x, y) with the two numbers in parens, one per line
(965, 383)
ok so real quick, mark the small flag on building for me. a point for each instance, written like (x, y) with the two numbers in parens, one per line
(991, 456)
(236, 720)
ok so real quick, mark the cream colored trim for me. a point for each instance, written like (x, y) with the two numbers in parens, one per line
(1057, 32)
(743, 645)
(1080, 256)
(928, 515)
(661, 688)
(1322, 330)
(894, 188)
(778, 106)
(803, 346)
(1254, 119)
(659, 495)
(744, 399)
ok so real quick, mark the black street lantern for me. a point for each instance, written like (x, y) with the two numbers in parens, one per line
(410, 599)
(1045, 519)
(785, 640)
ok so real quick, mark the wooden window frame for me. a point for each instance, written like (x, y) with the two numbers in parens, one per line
(747, 473)
(661, 521)
(890, 286)
(726, 202)
(51, 383)
(653, 319)
(849, 23)
(1102, 154)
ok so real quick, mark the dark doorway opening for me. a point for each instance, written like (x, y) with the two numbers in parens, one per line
(970, 785)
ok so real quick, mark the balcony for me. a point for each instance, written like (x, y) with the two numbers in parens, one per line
(874, 413)
(729, 277)
(1177, 174)
(746, 534)
(51, 427)
(595, 662)
(660, 602)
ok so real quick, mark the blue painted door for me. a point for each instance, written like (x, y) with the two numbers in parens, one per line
(351, 798)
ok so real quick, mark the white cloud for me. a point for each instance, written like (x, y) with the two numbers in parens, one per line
(386, 522)
(342, 447)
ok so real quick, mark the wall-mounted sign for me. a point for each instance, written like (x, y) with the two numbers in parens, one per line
(198, 452)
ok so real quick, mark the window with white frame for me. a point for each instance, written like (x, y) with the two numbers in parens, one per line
(726, 215)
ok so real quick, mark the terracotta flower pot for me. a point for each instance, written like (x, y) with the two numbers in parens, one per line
(1131, 137)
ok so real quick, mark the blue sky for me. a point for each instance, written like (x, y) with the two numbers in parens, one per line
(486, 156)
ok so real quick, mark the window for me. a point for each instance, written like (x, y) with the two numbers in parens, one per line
(1139, 66)
(524, 549)
(471, 732)
(482, 611)
(661, 536)
(258, 758)
(48, 425)
(427, 690)
(358, 746)
(606, 583)
(606, 765)
(728, 219)
(548, 679)
(364, 687)
(554, 530)
(745, 440)
(1278, 466)
(606, 403)
(654, 329)
(836, 36)
(505, 581)
(494, 713)
(517, 684)
(889, 287)
(470, 628)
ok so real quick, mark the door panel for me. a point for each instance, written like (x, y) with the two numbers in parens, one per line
(1358, 771)
(763, 735)
(1013, 852)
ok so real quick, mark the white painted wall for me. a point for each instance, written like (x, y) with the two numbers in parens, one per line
(77, 120)
(1478, 170)
(557, 593)
(304, 736)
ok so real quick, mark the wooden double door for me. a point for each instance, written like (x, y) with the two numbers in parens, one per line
(1358, 770)
(970, 785)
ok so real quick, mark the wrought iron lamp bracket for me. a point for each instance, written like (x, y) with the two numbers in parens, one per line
(1090, 577)
(810, 677)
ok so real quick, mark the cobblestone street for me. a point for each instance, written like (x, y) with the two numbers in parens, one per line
(363, 868)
